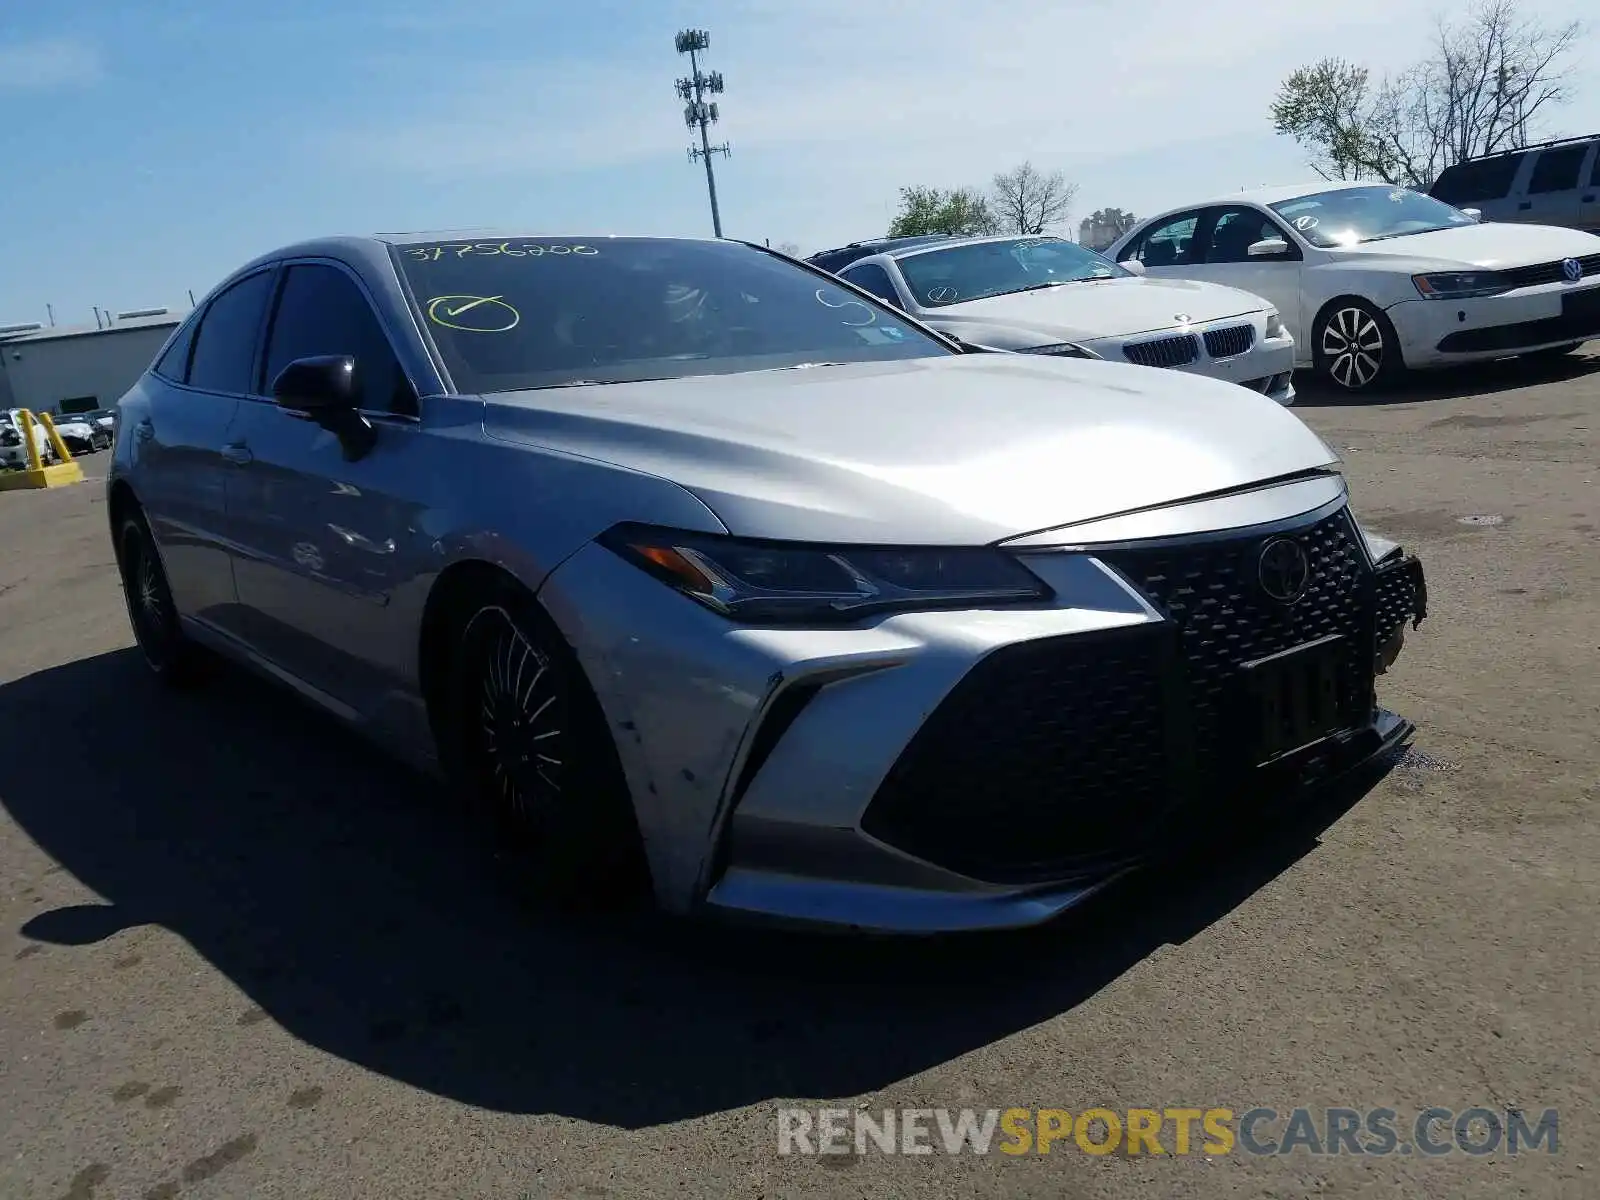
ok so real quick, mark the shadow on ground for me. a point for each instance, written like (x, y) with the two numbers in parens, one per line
(346, 900)
(1473, 379)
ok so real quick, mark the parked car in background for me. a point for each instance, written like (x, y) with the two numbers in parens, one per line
(81, 434)
(14, 447)
(1373, 280)
(1048, 295)
(103, 418)
(707, 575)
(834, 261)
(1554, 183)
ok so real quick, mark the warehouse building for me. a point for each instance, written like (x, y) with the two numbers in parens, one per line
(68, 370)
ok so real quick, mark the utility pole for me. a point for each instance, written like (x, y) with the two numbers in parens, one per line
(697, 113)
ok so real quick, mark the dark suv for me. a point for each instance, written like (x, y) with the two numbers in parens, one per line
(834, 261)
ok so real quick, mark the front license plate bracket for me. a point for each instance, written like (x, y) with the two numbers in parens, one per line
(1294, 698)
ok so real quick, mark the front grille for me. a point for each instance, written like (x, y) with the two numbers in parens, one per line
(1396, 601)
(1177, 351)
(1550, 272)
(1046, 756)
(1210, 591)
(1226, 342)
(1067, 753)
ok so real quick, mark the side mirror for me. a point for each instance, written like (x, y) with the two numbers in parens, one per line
(1133, 266)
(1475, 213)
(326, 389)
(1267, 248)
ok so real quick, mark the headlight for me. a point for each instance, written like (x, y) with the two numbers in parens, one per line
(788, 582)
(1062, 350)
(1274, 324)
(1460, 285)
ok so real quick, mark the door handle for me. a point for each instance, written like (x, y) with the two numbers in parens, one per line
(237, 453)
(144, 430)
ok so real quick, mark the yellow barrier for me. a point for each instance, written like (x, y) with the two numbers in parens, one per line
(38, 474)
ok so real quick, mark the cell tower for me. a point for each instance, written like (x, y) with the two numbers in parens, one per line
(698, 113)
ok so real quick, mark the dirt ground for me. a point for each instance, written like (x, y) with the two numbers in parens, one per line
(245, 957)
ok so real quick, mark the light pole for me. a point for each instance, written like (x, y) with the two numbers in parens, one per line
(700, 114)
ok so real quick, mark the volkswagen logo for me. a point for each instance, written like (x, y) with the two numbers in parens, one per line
(1572, 269)
(1283, 570)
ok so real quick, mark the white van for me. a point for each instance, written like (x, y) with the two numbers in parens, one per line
(1554, 183)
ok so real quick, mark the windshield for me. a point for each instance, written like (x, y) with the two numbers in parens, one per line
(978, 269)
(1349, 216)
(539, 312)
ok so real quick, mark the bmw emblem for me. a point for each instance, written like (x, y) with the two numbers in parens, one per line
(1572, 269)
(1283, 570)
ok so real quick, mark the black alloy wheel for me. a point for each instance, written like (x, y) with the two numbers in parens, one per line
(530, 750)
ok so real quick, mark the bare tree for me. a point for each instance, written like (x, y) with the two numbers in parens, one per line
(1487, 85)
(1025, 200)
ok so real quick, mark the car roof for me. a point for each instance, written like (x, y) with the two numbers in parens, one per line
(978, 240)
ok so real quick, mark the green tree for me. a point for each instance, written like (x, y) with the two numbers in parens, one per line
(959, 211)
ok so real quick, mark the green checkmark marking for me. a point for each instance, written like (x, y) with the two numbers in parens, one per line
(456, 312)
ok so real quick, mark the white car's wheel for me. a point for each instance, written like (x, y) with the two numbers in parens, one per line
(1355, 346)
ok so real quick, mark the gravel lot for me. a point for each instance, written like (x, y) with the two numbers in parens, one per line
(244, 957)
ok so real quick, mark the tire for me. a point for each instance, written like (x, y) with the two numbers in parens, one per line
(1552, 353)
(529, 750)
(171, 656)
(1355, 348)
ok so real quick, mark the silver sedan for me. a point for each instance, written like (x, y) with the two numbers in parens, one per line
(705, 576)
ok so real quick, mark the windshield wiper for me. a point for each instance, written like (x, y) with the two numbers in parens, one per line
(597, 382)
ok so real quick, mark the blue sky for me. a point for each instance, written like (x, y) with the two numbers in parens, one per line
(151, 146)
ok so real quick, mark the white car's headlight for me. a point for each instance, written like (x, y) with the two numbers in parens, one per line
(1460, 285)
(791, 582)
(1274, 324)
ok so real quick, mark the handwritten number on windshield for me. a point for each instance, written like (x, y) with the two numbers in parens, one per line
(493, 249)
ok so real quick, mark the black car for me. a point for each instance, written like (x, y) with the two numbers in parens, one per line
(834, 261)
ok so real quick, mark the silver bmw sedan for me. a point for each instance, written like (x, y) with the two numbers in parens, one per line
(705, 576)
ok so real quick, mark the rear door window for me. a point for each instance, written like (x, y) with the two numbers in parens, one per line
(229, 333)
(174, 364)
(1484, 179)
(1557, 170)
(870, 277)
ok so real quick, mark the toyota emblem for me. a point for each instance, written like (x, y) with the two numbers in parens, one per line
(1283, 570)
(1572, 269)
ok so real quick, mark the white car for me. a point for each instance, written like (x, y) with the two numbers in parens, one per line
(80, 434)
(13, 450)
(1046, 295)
(1374, 279)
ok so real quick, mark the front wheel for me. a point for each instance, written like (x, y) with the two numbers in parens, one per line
(1355, 347)
(529, 748)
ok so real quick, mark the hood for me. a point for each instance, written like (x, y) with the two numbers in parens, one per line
(1488, 245)
(952, 450)
(1108, 308)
